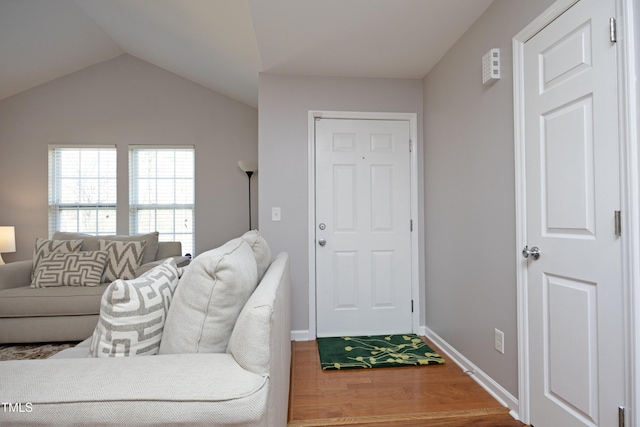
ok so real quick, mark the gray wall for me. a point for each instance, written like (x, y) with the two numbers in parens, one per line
(470, 194)
(283, 106)
(127, 101)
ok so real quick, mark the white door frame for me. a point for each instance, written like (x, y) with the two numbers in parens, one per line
(630, 200)
(412, 118)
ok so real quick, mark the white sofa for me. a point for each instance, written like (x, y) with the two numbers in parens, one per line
(248, 385)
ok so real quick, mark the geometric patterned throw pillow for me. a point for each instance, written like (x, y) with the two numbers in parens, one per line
(133, 313)
(45, 246)
(69, 269)
(123, 259)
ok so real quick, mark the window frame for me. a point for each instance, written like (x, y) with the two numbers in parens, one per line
(56, 189)
(136, 207)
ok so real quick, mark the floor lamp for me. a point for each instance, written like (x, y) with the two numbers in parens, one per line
(249, 167)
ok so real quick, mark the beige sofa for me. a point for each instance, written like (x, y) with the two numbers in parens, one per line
(246, 385)
(65, 313)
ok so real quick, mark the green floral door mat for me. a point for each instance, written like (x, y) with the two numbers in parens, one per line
(380, 351)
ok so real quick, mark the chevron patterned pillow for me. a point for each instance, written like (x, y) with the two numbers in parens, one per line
(123, 260)
(45, 246)
(133, 313)
(69, 269)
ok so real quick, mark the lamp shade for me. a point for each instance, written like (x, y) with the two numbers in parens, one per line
(7, 239)
(248, 165)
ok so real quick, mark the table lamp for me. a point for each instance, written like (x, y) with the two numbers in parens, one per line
(7, 240)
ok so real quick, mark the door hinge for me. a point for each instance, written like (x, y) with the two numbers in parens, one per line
(618, 223)
(412, 306)
(410, 146)
(612, 30)
(621, 417)
(410, 225)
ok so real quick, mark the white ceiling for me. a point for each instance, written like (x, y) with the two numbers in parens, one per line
(224, 44)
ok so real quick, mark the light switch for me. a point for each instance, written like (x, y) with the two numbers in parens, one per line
(276, 214)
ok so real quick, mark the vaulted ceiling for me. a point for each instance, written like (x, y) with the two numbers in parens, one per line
(224, 44)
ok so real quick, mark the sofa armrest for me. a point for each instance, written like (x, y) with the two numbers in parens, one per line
(168, 249)
(262, 320)
(181, 261)
(15, 274)
(261, 339)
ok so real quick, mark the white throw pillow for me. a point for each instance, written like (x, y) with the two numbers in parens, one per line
(261, 251)
(133, 313)
(209, 299)
(123, 259)
(69, 269)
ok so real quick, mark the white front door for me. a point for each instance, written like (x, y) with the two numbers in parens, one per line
(574, 289)
(363, 240)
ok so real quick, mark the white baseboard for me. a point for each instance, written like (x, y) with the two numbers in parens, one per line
(486, 382)
(300, 335)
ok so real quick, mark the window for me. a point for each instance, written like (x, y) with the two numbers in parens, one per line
(161, 188)
(82, 189)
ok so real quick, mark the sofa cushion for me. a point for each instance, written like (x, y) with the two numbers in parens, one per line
(70, 269)
(261, 251)
(123, 259)
(209, 298)
(90, 242)
(133, 313)
(45, 246)
(25, 301)
(171, 390)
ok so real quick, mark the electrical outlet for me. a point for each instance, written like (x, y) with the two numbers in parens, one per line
(499, 340)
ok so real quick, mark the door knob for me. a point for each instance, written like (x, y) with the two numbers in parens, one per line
(534, 252)
(322, 242)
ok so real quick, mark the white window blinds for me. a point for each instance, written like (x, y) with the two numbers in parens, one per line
(161, 189)
(82, 189)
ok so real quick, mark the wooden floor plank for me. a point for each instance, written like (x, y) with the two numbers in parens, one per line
(437, 395)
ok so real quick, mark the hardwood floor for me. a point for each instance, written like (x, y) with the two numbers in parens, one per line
(435, 396)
